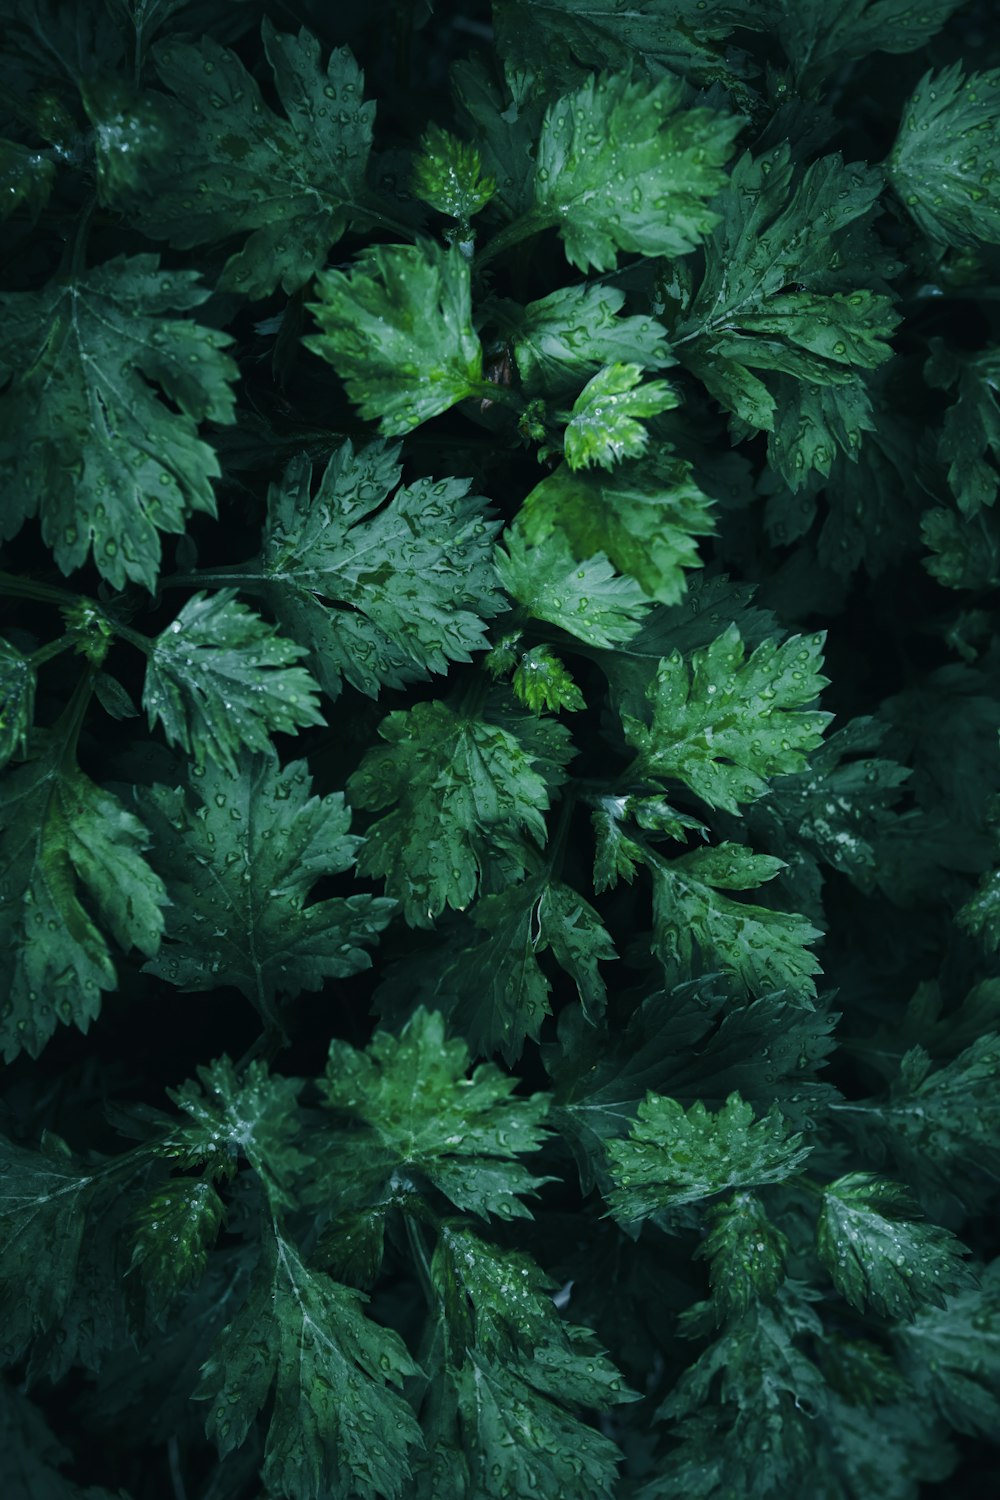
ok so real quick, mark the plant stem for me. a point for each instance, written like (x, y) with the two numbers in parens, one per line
(54, 648)
(27, 588)
(519, 229)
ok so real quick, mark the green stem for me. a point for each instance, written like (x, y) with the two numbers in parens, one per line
(70, 721)
(27, 588)
(227, 575)
(557, 844)
(54, 648)
(421, 1260)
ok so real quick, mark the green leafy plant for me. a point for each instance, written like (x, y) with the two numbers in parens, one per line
(499, 767)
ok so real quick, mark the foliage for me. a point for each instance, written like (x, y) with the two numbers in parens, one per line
(499, 750)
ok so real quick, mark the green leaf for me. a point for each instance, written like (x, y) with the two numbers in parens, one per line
(952, 1356)
(489, 978)
(26, 177)
(981, 913)
(512, 1427)
(460, 788)
(239, 854)
(426, 1116)
(30, 1453)
(603, 427)
(746, 1255)
(759, 948)
(17, 701)
(815, 425)
(378, 594)
(625, 166)
(673, 1156)
(878, 1253)
(542, 682)
(72, 867)
(398, 330)
(174, 1230)
(448, 174)
(302, 1345)
(585, 597)
(249, 1113)
(942, 163)
(964, 550)
(572, 333)
(220, 679)
(819, 39)
(779, 228)
(645, 517)
(726, 724)
(503, 112)
(291, 183)
(970, 433)
(90, 444)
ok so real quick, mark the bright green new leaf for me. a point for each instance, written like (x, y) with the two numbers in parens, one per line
(728, 723)
(572, 333)
(448, 174)
(586, 598)
(604, 427)
(379, 594)
(759, 948)
(337, 1425)
(673, 1156)
(426, 1116)
(942, 165)
(239, 854)
(89, 443)
(952, 1356)
(746, 1255)
(779, 228)
(72, 867)
(234, 166)
(458, 787)
(251, 1114)
(878, 1252)
(646, 517)
(398, 330)
(174, 1230)
(26, 177)
(542, 682)
(17, 701)
(970, 433)
(625, 166)
(221, 680)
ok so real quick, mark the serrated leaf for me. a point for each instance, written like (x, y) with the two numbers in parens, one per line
(646, 517)
(603, 426)
(381, 593)
(541, 682)
(728, 723)
(337, 1426)
(586, 598)
(969, 436)
(398, 330)
(489, 978)
(239, 854)
(72, 868)
(251, 1114)
(625, 166)
(572, 333)
(819, 39)
(942, 163)
(104, 394)
(236, 167)
(174, 1230)
(746, 1255)
(877, 1251)
(17, 701)
(425, 1115)
(221, 680)
(780, 229)
(673, 1156)
(460, 789)
(448, 174)
(759, 948)
(952, 1356)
